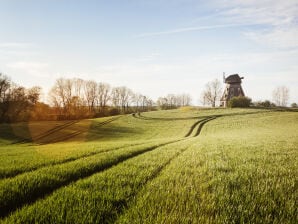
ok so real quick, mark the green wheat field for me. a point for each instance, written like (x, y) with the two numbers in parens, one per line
(187, 165)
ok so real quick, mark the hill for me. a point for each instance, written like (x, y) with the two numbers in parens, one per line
(179, 166)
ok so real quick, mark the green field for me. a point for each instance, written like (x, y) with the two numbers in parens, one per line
(178, 166)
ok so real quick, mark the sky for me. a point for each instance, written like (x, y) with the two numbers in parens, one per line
(153, 47)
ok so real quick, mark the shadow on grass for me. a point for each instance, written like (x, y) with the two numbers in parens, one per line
(110, 131)
(9, 133)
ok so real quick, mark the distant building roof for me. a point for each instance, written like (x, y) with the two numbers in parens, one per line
(233, 79)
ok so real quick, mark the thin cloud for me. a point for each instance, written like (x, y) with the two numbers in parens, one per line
(15, 45)
(190, 29)
(278, 20)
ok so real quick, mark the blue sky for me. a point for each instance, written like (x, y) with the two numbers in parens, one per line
(154, 47)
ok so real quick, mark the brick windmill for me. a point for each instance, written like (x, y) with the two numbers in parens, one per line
(233, 88)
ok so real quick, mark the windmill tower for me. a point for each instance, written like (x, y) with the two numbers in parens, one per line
(233, 88)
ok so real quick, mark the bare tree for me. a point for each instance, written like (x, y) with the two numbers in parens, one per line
(212, 92)
(162, 102)
(58, 93)
(5, 84)
(171, 100)
(183, 100)
(62, 96)
(144, 102)
(281, 96)
(78, 87)
(136, 99)
(115, 96)
(33, 94)
(104, 91)
(90, 89)
(126, 96)
(68, 88)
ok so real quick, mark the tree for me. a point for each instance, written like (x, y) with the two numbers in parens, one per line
(162, 102)
(33, 95)
(212, 92)
(280, 96)
(90, 94)
(5, 84)
(183, 100)
(115, 96)
(126, 96)
(104, 95)
(67, 96)
(265, 103)
(136, 99)
(16, 102)
(239, 101)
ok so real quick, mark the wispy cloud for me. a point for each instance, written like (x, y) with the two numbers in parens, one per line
(15, 45)
(277, 37)
(279, 20)
(34, 68)
(190, 29)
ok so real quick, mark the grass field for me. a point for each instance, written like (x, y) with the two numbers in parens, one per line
(179, 166)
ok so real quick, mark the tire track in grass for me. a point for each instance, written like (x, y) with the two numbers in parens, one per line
(201, 125)
(194, 126)
(17, 201)
(71, 135)
(140, 116)
(29, 187)
(39, 138)
(47, 133)
(102, 197)
(53, 130)
(15, 173)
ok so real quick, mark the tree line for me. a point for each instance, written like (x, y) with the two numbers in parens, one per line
(16, 102)
(76, 99)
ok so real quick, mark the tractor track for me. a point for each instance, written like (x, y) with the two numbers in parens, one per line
(199, 123)
(38, 193)
(12, 205)
(65, 161)
(140, 116)
(123, 204)
(47, 133)
(41, 138)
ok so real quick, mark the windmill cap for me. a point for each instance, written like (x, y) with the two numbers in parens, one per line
(235, 78)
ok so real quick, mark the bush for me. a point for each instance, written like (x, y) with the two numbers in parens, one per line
(240, 101)
(114, 111)
(265, 103)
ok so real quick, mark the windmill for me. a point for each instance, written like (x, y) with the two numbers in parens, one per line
(233, 88)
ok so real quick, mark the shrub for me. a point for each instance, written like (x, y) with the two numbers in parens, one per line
(240, 101)
(114, 111)
(265, 103)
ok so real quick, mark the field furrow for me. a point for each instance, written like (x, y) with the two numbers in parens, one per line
(52, 137)
(215, 181)
(101, 197)
(201, 124)
(25, 164)
(28, 187)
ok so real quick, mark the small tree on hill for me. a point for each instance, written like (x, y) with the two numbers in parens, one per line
(281, 96)
(240, 101)
(212, 92)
